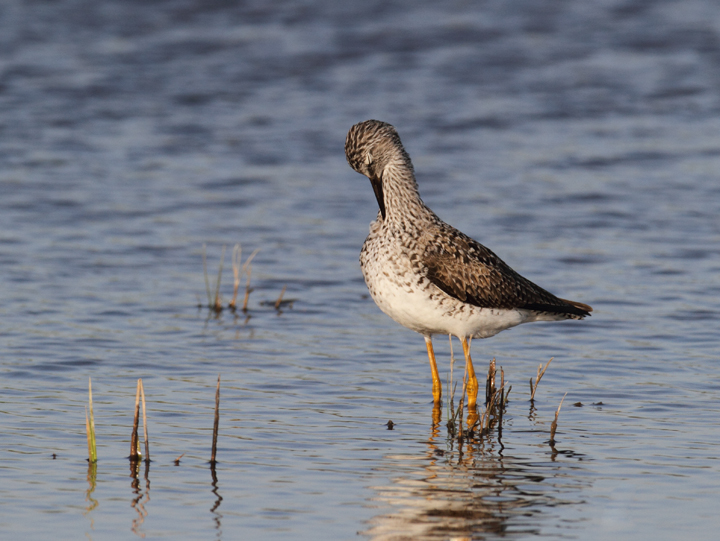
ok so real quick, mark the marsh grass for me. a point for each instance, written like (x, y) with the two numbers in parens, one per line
(540, 374)
(496, 399)
(553, 426)
(248, 290)
(490, 383)
(240, 269)
(145, 429)
(236, 258)
(455, 416)
(495, 402)
(135, 453)
(214, 302)
(135, 450)
(216, 424)
(278, 302)
(90, 426)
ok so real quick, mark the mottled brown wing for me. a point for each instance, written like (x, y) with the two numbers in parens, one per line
(466, 270)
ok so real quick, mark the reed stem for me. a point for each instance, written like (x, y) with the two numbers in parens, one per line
(217, 305)
(135, 453)
(90, 426)
(247, 289)
(540, 374)
(279, 301)
(145, 428)
(205, 275)
(216, 423)
(553, 426)
(236, 258)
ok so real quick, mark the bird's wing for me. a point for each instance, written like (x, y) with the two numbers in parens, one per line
(471, 273)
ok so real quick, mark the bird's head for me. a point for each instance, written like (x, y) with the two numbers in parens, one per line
(370, 145)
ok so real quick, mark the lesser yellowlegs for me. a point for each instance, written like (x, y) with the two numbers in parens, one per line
(427, 275)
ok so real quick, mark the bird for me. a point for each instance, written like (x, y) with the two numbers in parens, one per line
(427, 275)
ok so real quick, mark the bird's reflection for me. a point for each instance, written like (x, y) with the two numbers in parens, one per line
(462, 488)
(140, 497)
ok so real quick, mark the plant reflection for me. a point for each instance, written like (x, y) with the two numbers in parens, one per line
(218, 500)
(141, 498)
(464, 488)
(92, 484)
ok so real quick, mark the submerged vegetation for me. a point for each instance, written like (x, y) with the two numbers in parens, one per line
(479, 426)
(135, 448)
(240, 270)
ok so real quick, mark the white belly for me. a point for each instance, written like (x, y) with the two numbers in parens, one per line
(428, 310)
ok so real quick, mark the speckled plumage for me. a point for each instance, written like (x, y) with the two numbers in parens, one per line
(427, 275)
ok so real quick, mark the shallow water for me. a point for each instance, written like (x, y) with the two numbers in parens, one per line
(580, 142)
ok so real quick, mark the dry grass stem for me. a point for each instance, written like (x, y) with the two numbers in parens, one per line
(455, 415)
(248, 290)
(451, 387)
(217, 305)
(490, 410)
(279, 301)
(205, 275)
(145, 428)
(501, 410)
(461, 403)
(214, 300)
(247, 263)
(135, 453)
(494, 408)
(216, 423)
(452, 363)
(451, 412)
(236, 258)
(493, 413)
(553, 426)
(490, 383)
(90, 426)
(238, 271)
(540, 373)
(496, 397)
(247, 270)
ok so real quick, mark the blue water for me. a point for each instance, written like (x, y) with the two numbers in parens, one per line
(578, 141)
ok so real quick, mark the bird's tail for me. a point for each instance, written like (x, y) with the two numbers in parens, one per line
(580, 306)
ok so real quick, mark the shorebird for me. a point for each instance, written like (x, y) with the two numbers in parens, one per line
(427, 275)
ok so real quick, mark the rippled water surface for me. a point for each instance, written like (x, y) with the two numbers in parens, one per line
(580, 141)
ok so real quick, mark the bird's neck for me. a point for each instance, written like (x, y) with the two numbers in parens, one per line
(402, 198)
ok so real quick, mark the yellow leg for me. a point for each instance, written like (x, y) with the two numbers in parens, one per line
(472, 385)
(437, 386)
(436, 418)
